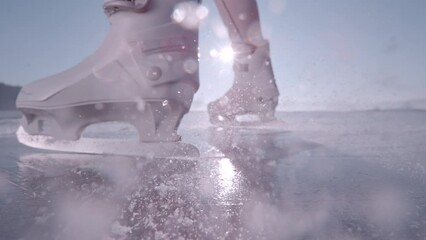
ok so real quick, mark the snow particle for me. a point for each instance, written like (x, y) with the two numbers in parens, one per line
(189, 14)
(190, 66)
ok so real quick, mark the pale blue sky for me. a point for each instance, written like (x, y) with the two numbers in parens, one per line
(327, 54)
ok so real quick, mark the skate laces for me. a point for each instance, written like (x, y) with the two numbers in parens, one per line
(114, 6)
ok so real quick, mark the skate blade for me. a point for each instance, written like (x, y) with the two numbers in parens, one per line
(121, 147)
(271, 125)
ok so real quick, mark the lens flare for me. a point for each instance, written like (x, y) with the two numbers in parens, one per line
(226, 54)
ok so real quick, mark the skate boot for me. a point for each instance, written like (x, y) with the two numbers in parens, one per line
(254, 91)
(145, 74)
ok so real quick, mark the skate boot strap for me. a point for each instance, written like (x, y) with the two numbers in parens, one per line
(113, 6)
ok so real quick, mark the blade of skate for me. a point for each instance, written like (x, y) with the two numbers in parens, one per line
(269, 125)
(274, 125)
(110, 146)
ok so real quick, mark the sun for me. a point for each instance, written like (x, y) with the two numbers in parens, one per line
(226, 54)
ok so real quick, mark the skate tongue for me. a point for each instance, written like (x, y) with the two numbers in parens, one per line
(174, 150)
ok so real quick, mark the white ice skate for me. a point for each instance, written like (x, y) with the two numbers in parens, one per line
(144, 74)
(253, 98)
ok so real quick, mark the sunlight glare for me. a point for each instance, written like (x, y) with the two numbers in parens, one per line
(226, 54)
(227, 174)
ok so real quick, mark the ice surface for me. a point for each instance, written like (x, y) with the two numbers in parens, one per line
(353, 175)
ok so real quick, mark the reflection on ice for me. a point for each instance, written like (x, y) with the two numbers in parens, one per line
(227, 174)
(4, 183)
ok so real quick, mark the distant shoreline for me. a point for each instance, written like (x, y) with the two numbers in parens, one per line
(10, 114)
(8, 95)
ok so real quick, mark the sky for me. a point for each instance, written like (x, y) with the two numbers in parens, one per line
(326, 54)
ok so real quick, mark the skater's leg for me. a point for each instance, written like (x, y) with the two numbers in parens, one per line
(254, 90)
(241, 18)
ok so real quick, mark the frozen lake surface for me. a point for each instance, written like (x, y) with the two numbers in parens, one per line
(343, 176)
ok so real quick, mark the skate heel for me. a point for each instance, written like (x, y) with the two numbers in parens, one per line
(266, 112)
(252, 110)
(56, 123)
(160, 121)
